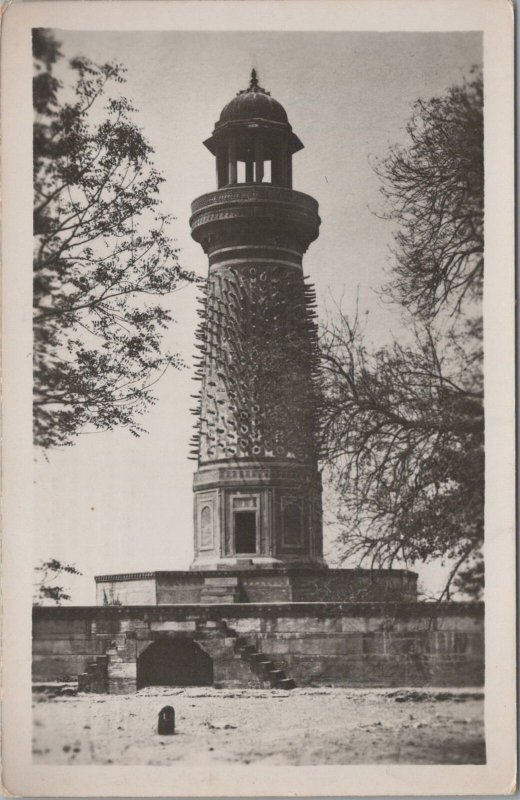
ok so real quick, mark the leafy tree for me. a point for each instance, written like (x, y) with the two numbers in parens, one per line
(102, 254)
(45, 588)
(403, 424)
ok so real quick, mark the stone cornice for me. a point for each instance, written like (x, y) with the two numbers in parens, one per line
(213, 474)
(406, 610)
(193, 574)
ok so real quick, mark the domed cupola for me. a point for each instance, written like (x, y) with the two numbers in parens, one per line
(253, 103)
(253, 141)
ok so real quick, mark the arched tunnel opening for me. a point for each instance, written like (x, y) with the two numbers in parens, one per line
(174, 662)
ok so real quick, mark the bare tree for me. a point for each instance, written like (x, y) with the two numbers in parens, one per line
(403, 425)
(434, 187)
(403, 438)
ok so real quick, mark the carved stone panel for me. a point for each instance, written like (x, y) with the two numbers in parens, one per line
(206, 521)
(292, 519)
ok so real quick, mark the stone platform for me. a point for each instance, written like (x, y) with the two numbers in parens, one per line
(118, 649)
(256, 585)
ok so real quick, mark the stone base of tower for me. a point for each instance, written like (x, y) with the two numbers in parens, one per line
(262, 515)
(254, 585)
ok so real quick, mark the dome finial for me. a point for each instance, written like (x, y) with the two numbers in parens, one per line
(254, 86)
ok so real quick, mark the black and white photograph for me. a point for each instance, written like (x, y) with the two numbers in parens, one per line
(259, 530)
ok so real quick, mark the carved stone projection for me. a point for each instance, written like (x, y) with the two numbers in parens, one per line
(257, 487)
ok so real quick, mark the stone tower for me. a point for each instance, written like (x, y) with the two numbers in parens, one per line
(257, 489)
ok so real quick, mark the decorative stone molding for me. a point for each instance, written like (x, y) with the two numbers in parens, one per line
(261, 193)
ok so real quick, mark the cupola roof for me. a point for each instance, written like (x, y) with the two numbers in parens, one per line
(253, 103)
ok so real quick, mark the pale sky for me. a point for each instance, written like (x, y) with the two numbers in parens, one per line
(112, 503)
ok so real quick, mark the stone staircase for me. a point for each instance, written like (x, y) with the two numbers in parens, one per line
(241, 662)
(220, 590)
(95, 679)
(263, 666)
(268, 672)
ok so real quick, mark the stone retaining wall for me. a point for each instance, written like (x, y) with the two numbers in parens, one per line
(340, 644)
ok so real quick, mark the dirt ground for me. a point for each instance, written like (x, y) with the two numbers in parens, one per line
(303, 726)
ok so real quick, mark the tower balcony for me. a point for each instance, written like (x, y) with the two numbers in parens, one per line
(255, 214)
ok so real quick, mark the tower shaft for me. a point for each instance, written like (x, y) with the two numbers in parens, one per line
(257, 487)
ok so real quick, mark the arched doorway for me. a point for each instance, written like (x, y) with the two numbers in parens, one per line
(174, 662)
